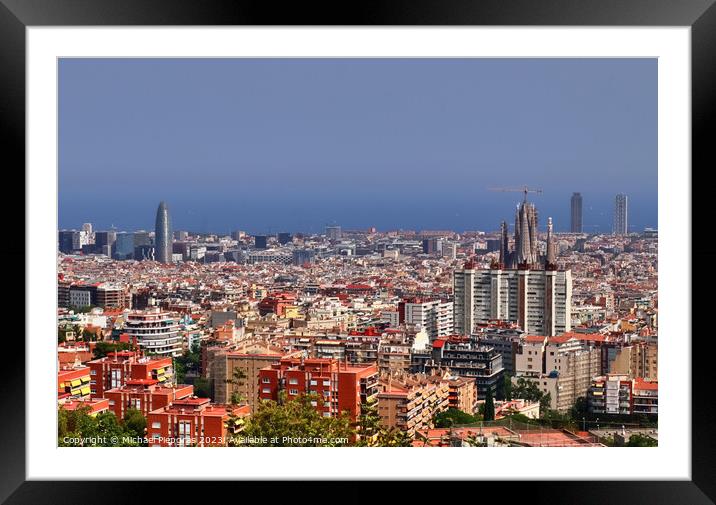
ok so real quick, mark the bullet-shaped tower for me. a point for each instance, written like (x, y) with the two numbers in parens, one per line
(163, 235)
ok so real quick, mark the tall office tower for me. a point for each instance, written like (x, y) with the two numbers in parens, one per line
(333, 232)
(539, 301)
(576, 213)
(620, 215)
(163, 235)
(525, 235)
(124, 246)
(284, 238)
(432, 246)
(87, 228)
(69, 240)
(104, 242)
(261, 241)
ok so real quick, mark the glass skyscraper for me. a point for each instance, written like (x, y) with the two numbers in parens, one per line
(163, 235)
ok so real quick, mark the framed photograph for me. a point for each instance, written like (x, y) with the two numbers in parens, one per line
(410, 243)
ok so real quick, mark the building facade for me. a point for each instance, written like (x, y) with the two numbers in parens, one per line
(434, 316)
(621, 226)
(576, 213)
(156, 331)
(338, 387)
(163, 235)
(538, 301)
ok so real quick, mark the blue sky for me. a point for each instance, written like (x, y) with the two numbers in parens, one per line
(268, 145)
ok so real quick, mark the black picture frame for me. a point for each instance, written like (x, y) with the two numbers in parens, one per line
(700, 15)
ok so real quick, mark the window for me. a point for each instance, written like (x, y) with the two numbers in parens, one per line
(326, 414)
(266, 380)
(156, 425)
(326, 383)
(266, 390)
(326, 394)
(314, 383)
(184, 438)
(293, 391)
(93, 372)
(111, 403)
(293, 381)
(115, 378)
(529, 367)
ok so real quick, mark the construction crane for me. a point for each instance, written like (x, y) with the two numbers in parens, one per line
(523, 189)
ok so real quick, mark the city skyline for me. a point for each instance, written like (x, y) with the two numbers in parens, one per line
(544, 225)
(294, 145)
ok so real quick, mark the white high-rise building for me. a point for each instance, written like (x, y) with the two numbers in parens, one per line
(433, 316)
(157, 332)
(539, 301)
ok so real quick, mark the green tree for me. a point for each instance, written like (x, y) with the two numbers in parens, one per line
(103, 348)
(452, 417)
(135, 422)
(545, 403)
(237, 379)
(394, 437)
(188, 362)
(579, 409)
(506, 388)
(202, 387)
(368, 426)
(79, 428)
(297, 423)
(526, 390)
(489, 406)
(639, 440)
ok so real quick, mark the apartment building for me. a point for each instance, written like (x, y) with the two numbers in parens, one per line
(539, 301)
(115, 369)
(145, 395)
(434, 316)
(338, 386)
(192, 422)
(620, 394)
(248, 359)
(561, 366)
(156, 331)
(409, 402)
(463, 357)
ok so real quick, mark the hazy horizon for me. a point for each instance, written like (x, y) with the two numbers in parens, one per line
(272, 145)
